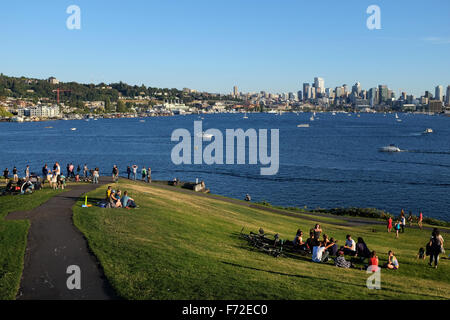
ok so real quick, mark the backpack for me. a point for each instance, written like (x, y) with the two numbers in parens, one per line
(435, 242)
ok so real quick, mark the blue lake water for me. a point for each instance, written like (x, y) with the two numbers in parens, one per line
(333, 163)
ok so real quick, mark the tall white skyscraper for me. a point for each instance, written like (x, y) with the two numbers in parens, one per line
(319, 83)
(439, 93)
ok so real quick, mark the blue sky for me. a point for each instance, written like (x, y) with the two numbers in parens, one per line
(212, 45)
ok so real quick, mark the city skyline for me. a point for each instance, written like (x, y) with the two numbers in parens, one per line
(258, 46)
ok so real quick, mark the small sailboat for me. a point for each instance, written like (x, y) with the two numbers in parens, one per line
(396, 116)
(245, 116)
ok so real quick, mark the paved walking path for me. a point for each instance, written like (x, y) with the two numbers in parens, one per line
(53, 244)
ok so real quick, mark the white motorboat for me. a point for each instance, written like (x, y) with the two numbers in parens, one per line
(428, 130)
(390, 148)
(303, 125)
(205, 136)
(73, 129)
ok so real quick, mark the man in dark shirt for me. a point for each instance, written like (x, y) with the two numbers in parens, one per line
(6, 175)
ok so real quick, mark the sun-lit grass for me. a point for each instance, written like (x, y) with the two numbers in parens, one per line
(181, 246)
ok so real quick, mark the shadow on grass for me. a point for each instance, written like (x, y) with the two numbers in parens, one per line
(331, 281)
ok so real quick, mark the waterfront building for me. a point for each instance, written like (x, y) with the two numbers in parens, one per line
(435, 106)
(439, 93)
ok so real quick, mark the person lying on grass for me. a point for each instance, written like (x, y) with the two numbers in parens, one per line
(392, 261)
(128, 202)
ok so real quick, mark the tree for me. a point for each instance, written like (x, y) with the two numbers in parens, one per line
(121, 106)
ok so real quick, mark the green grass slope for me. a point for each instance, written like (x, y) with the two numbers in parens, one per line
(181, 246)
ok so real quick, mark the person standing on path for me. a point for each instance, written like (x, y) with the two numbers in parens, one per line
(144, 174)
(85, 170)
(27, 171)
(95, 176)
(115, 173)
(128, 172)
(135, 167)
(44, 173)
(149, 175)
(436, 245)
(6, 175)
(420, 220)
(15, 176)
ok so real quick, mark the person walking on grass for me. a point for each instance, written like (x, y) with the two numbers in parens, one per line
(397, 228)
(436, 246)
(389, 225)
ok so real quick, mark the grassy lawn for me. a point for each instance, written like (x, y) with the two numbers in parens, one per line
(180, 246)
(13, 238)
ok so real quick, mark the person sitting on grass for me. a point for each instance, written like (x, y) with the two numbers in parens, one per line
(392, 261)
(128, 202)
(298, 241)
(340, 260)
(361, 249)
(320, 252)
(333, 249)
(350, 246)
(311, 241)
(373, 262)
(114, 199)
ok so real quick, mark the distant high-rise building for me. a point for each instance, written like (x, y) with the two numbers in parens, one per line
(439, 93)
(300, 95)
(235, 91)
(306, 91)
(383, 93)
(373, 96)
(447, 96)
(319, 84)
(345, 89)
(356, 89)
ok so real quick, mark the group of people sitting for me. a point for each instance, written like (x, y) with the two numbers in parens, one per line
(323, 249)
(115, 199)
